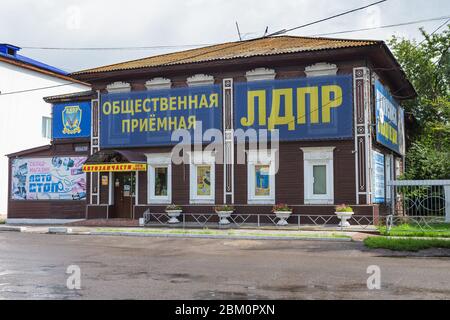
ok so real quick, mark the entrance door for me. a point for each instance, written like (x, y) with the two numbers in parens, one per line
(124, 193)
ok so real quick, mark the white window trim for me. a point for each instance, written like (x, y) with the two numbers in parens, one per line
(199, 80)
(321, 69)
(260, 157)
(158, 84)
(159, 160)
(318, 156)
(198, 159)
(260, 74)
(118, 86)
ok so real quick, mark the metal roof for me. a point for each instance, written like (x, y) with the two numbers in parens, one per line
(232, 50)
(83, 95)
(6, 50)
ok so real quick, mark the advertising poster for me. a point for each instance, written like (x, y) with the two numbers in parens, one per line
(378, 177)
(203, 180)
(262, 180)
(300, 109)
(57, 178)
(148, 118)
(389, 120)
(71, 120)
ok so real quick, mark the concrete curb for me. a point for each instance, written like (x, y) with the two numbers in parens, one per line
(41, 222)
(59, 230)
(13, 229)
(223, 237)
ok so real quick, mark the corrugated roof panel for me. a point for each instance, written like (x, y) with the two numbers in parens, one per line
(233, 50)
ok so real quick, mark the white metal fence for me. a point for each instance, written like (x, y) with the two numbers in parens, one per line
(420, 198)
(211, 220)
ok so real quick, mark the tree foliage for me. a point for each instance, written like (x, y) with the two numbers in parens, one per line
(427, 66)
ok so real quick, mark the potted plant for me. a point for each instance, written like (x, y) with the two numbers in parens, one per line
(283, 212)
(174, 212)
(344, 213)
(224, 212)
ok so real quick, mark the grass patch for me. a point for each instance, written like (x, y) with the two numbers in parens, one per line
(405, 244)
(2, 221)
(229, 232)
(435, 230)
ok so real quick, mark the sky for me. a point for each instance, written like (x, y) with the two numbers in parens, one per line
(131, 23)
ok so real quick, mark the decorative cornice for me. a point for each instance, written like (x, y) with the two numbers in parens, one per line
(321, 69)
(318, 153)
(158, 83)
(118, 86)
(200, 80)
(259, 74)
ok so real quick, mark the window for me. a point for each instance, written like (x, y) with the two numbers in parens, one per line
(261, 177)
(46, 127)
(159, 178)
(161, 181)
(320, 179)
(318, 175)
(202, 178)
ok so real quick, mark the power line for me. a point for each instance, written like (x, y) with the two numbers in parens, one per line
(436, 30)
(199, 45)
(37, 89)
(384, 26)
(325, 19)
(211, 44)
(120, 48)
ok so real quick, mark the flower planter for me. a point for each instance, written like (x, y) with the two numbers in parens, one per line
(224, 215)
(174, 214)
(283, 216)
(344, 216)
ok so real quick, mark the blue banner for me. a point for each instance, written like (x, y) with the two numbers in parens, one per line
(71, 120)
(301, 109)
(148, 118)
(387, 113)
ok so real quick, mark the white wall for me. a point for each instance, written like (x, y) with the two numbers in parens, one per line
(21, 114)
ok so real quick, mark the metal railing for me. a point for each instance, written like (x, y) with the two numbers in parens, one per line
(420, 198)
(295, 221)
(413, 224)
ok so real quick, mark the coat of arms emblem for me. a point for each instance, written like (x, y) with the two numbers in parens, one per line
(71, 117)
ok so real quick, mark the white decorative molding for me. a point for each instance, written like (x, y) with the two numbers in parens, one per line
(118, 86)
(259, 74)
(322, 157)
(154, 161)
(200, 80)
(200, 158)
(318, 153)
(261, 157)
(158, 83)
(321, 69)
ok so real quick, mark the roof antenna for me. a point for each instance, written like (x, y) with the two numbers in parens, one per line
(239, 32)
(266, 32)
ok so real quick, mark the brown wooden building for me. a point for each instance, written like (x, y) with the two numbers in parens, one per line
(314, 172)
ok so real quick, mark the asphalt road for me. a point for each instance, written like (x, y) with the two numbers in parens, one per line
(33, 266)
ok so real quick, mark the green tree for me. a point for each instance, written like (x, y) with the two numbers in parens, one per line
(427, 66)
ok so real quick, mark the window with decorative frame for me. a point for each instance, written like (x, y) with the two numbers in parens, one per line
(261, 171)
(318, 175)
(159, 178)
(202, 178)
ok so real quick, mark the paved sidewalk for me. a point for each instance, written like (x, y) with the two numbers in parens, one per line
(256, 234)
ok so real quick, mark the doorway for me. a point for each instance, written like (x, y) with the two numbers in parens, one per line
(124, 194)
